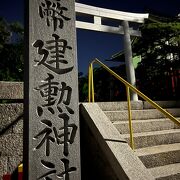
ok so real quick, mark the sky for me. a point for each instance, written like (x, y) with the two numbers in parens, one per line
(91, 44)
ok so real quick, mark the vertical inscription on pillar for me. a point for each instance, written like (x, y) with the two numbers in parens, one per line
(53, 95)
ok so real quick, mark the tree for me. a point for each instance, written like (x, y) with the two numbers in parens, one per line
(159, 48)
(11, 51)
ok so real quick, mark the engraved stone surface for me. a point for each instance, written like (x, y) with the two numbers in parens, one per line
(51, 122)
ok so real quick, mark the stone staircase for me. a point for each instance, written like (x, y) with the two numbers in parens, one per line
(157, 139)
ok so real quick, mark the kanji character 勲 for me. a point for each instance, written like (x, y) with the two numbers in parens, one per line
(54, 94)
(49, 90)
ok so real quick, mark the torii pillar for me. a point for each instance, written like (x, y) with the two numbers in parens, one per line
(128, 59)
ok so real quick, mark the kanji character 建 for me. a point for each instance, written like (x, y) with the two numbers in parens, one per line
(53, 54)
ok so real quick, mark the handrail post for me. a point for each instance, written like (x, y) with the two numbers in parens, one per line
(130, 118)
(89, 84)
(92, 82)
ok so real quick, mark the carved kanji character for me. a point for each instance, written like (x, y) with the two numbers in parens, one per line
(53, 54)
(53, 12)
(52, 170)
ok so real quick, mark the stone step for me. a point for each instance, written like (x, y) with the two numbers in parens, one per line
(167, 172)
(140, 114)
(122, 105)
(115, 106)
(145, 125)
(159, 155)
(154, 138)
(163, 104)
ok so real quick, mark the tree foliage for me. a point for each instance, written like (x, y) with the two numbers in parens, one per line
(159, 48)
(159, 44)
(11, 51)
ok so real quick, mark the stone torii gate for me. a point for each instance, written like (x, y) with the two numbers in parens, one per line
(100, 14)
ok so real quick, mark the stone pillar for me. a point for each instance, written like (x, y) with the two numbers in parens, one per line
(51, 122)
(128, 59)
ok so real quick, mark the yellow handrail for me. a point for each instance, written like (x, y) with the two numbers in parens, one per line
(90, 84)
(128, 86)
(130, 118)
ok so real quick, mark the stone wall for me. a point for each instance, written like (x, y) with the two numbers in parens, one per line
(11, 126)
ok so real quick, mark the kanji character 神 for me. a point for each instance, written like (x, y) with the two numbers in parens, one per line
(50, 133)
(69, 133)
(47, 138)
